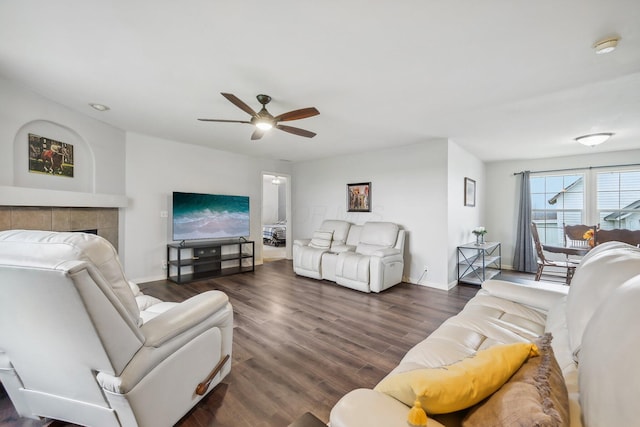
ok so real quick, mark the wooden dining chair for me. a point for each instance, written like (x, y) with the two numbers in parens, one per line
(631, 237)
(574, 235)
(543, 262)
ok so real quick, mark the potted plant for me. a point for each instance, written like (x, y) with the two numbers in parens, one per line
(479, 233)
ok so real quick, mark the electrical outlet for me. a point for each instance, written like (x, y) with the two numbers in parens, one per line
(164, 214)
(164, 264)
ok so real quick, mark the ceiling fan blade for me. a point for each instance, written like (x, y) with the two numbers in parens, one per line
(224, 121)
(302, 113)
(240, 104)
(296, 131)
(257, 134)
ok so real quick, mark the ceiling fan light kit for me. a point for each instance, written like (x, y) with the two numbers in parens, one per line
(264, 121)
(593, 139)
(264, 125)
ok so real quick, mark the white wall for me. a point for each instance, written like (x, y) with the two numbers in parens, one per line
(157, 167)
(417, 186)
(502, 189)
(462, 219)
(408, 187)
(99, 158)
(270, 201)
(100, 147)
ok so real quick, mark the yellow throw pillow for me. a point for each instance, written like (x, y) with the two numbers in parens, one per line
(460, 385)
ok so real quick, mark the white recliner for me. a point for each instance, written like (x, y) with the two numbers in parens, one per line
(378, 260)
(369, 257)
(307, 254)
(80, 343)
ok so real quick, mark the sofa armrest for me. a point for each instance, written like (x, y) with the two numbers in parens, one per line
(302, 242)
(365, 408)
(533, 294)
(342, 248)
(182, 317)
(169, 332)
(381, 253)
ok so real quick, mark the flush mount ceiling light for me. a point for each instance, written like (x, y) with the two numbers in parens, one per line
(99, 107)
(607, 45)
(276, 181)
(594, 139)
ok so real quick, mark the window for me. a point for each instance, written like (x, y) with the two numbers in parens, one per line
(556, 200)
(618, 198)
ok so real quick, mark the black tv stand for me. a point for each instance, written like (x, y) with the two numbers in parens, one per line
(189, 261)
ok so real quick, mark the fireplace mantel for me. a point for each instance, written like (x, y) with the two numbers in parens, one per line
(24, 196)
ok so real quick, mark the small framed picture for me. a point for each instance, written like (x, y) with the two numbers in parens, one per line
(359, 197)
(469, 192)
(49, 156)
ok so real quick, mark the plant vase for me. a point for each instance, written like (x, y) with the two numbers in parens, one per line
(479, 239)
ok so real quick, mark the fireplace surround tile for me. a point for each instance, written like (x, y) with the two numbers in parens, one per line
(105, 220)
(30, 218)
(83, 219)
(5, 218)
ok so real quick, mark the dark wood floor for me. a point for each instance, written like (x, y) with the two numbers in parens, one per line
(300, 344)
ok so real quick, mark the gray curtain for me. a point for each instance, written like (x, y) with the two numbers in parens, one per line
(524, 258)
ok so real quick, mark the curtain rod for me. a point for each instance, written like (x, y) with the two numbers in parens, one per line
(578, 169)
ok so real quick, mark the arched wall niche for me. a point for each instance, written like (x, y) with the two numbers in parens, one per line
(84, 160)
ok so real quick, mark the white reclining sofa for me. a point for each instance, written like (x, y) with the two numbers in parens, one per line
(368, 257)
(594, 341)
(80, 343)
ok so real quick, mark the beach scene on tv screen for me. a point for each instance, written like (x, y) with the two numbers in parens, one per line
(209, 216)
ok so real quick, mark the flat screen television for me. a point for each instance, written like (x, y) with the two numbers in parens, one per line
(209, 216)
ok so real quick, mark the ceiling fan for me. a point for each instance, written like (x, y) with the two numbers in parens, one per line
(263, 120)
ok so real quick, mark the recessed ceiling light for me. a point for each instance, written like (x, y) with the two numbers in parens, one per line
(606, 45)
(594, 139)
(99, 107)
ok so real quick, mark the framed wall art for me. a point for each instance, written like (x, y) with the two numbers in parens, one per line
(469, 192)
(359, 197)
(48, 156)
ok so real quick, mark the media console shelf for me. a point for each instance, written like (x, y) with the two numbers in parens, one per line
(201, 260)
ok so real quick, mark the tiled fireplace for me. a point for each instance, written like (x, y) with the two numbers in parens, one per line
(104, 220)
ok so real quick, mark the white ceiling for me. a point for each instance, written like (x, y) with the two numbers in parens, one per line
(504, 79)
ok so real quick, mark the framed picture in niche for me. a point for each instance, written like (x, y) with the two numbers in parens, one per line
(469, 192)
(48, 156)
(359, 197)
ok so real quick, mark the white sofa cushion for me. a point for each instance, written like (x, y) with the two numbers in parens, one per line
(597, 277)
(377, 235)
(485, 321)
(321, 239)
(353, 266)
(609, 374)
(340, 229)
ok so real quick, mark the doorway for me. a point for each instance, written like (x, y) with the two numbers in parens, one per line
(275, 218)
